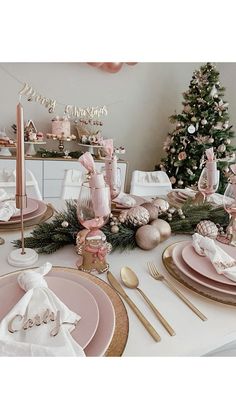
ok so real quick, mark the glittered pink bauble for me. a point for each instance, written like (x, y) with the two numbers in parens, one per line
(152, 209)
(137, 216)
(161, 204)
(182, 155)
(172, 180)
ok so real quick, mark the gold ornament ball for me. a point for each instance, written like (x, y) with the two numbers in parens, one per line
(137, 216)
(161, 204)
(163, 227)
(152, 209)
(147, 237)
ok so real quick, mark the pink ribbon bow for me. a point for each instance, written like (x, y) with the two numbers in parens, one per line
(99, 253)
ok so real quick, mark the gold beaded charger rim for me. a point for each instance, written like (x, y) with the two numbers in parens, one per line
(190, 284)
(31, 223)
(121, 332)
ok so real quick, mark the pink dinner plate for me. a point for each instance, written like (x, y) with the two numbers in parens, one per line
(203, 265)
(74, 295)
(42, 208)
(195, 276)
(106, 326)
(139, 200)
(32, 205)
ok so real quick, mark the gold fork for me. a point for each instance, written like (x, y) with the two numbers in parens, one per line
(156, 275)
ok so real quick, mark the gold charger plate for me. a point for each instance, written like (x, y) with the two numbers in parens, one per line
(192, 285)
(27, 224)
(120, 335)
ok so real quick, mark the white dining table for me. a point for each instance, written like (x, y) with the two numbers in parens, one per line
(194, 337)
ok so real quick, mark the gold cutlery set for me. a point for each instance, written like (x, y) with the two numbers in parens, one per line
(130, 280)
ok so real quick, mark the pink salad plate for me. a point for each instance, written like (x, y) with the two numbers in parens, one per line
(139, 200)
(74, 295)
(203, 266)
(186, 195)
(178, 197)
(42, 208)
(106, 324)
(32, 205)
(195, 276)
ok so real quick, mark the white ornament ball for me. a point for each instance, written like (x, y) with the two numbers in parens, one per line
(180, 182)
(163, 227)
(172, 150)
(123, 215)
(221, 148)
(191, 129)
(147, 237)
(64, 224)
(114, 229)
(210, 140)
(161, 204)
(204, 121)
(193, 119)
(228, 141)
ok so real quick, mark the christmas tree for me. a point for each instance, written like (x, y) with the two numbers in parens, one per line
(203, 123)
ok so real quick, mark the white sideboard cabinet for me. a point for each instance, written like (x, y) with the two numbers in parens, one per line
(50, 173)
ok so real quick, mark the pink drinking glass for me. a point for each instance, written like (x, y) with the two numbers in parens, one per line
(229, 202)
(203, 184)
(93, 206)
(115, 186)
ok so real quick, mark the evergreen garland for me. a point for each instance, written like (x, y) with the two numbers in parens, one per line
(51, 236)
(43, 152)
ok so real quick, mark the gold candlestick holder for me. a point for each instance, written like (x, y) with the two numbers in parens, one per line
(22, 257)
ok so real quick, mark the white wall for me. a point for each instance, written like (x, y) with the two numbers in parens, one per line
(139, 98)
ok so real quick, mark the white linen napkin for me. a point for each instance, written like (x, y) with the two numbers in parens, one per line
(29, 329)
(222, 262)
(7, 206)
(125, 199)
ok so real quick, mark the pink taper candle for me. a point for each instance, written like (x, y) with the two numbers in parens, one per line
(20, 160)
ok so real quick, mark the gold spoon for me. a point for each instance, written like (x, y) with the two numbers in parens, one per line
(130, 279)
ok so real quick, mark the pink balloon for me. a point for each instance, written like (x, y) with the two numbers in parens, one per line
(96, 64)
(112, 67)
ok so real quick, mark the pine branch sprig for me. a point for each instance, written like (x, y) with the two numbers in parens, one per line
(48, 237)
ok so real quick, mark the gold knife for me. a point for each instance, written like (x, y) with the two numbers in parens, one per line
(115, 284)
